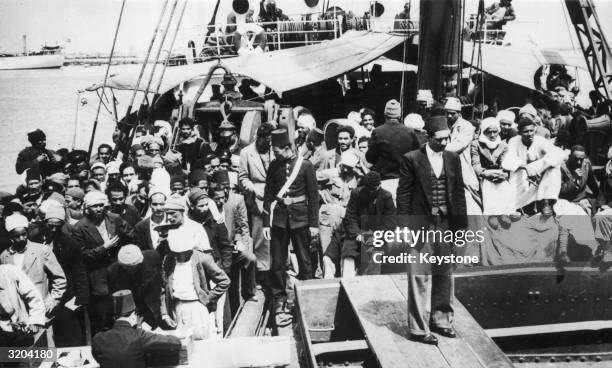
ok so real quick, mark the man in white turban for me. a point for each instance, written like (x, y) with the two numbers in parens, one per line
(36, 260)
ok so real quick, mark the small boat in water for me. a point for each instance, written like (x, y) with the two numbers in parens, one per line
(47, 58)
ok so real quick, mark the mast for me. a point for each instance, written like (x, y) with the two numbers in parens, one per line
(25, 45)
(440, 47)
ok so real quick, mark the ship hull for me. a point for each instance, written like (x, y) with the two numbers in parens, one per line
(32, 62)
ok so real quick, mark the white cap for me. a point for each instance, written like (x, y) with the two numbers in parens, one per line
(15, 221)
(414, 121)
(452, 104)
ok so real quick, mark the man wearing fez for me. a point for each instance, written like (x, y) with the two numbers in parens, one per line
(37, 155)
(291, 208)
(430, 190)
(125, 345)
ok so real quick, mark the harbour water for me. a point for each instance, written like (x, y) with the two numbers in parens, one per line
(47, 99)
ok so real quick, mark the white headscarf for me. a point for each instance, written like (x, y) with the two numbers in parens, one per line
(487, 124)
(414, 121)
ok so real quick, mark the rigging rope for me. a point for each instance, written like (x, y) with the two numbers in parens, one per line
(161, 77)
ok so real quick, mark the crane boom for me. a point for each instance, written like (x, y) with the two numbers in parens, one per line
(593, 43)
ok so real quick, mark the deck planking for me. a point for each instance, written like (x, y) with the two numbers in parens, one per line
(382, 314)
(380, 303)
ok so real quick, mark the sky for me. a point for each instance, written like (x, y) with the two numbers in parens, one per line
(90, 24)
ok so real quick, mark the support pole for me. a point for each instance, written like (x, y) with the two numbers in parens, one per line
(110, 59)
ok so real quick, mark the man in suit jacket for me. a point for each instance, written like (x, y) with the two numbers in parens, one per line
(387, 145)
(254, 162)
(100, 235)
(145, 229)
(127, 346)
(36, 260)
(68, 328)
(431, 191)
(140, 272)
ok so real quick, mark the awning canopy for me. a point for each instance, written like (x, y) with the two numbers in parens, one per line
(519, 64)
(282, 70)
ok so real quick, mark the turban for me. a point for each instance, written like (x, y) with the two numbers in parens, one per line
(112, 167)
(175, 203)
(453, 104)
(506, 115)
(15, 221)
(37, 135)
(425, 95)
(393, 109)
(59, 178)
(130, 255)
(76, 193)
(489, 123)
(97, 165)
(55, 212)
(195, 195)
(349, 158)
(306, 121)
(354, 116)
(528, 109)
(155, 189)
(414, 121)
(94, 198)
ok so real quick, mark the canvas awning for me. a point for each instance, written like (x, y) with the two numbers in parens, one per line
(282, 70)
(519, 64)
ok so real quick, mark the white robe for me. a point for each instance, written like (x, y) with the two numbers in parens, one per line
(541, 158)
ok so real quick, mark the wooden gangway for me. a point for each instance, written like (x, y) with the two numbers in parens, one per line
(378, 305)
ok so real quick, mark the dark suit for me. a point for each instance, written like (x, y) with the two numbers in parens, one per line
(97, 259)
(124, 346)
(415, 198)
(387, 145)
(145, 286)
(142, 230)
(290, 222)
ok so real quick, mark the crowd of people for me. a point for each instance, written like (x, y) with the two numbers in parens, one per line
(194, 228)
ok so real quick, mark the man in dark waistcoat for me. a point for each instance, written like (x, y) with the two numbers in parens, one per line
(289, 215)
(430, 190)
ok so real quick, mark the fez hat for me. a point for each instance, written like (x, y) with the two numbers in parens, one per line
(220, 177)
(435, 124)
(280, 138)
(36, 136)
(195, 176)
(123, 302)
(175, 203)
(33, 173)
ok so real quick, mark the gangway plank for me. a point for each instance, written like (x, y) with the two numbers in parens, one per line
(380, 304)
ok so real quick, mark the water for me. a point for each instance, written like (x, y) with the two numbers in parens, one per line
(47, 99)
